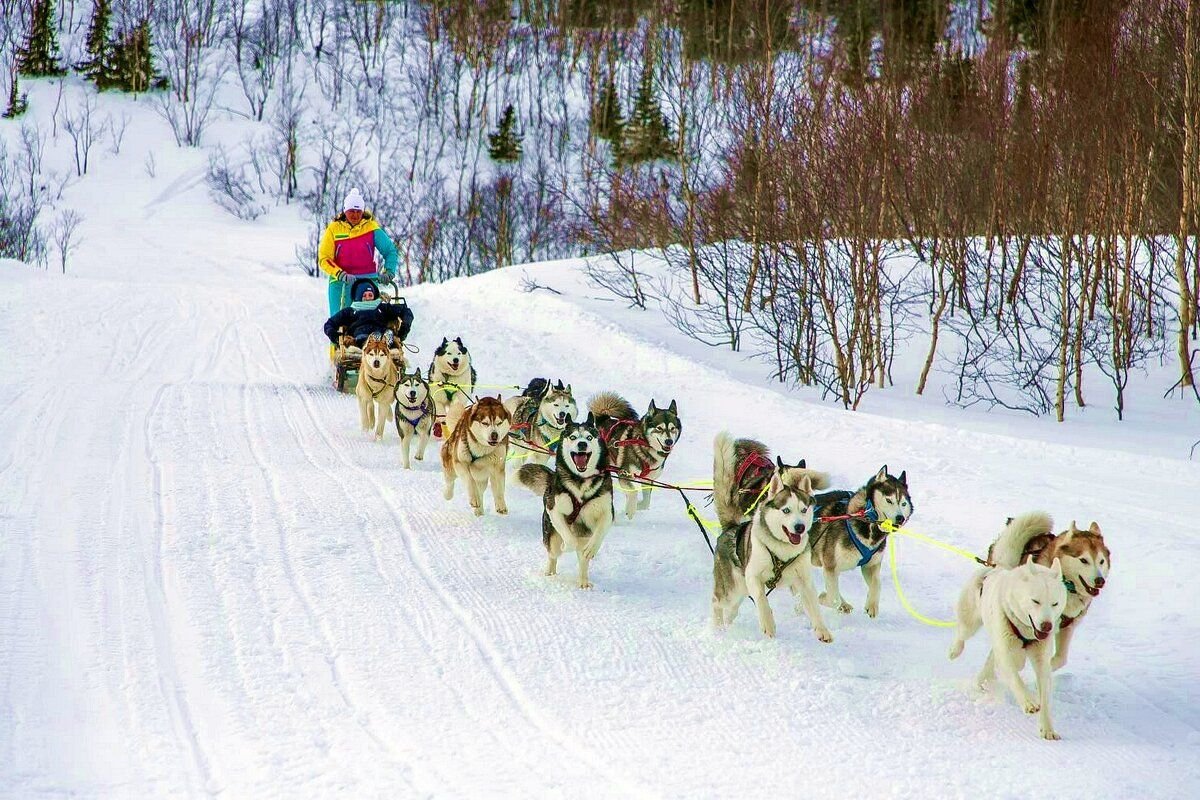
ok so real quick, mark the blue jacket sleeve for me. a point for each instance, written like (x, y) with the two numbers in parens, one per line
(383, 243)
(336, 322)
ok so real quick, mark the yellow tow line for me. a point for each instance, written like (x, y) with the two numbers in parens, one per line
(889, 528)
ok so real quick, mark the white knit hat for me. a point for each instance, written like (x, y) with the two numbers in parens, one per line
(354, 199)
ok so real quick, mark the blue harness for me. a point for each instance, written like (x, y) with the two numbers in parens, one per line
(866, 552)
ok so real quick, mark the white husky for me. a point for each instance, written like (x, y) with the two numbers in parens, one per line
(1020, 608)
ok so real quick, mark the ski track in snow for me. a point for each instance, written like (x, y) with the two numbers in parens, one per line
(213, 584)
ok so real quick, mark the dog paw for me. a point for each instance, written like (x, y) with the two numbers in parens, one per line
(956, 649)
(585, 584)
(1031, 706)
(824, 635)
(843, 608)
(478, 510)
(872, 610)
(419, 457)
(501, 509)
(1049, 734)
(769, 631)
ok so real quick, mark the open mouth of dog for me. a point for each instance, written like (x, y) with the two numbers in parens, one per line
(561, 419)
(454, 364)
(494, 439)
(581, 460)
(793, 537)
(1094, 591)
(412, 397)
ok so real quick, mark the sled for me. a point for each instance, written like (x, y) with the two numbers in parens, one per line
(346, 356)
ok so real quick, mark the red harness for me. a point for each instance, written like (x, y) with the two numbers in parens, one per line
(756, 461)
(608, 434)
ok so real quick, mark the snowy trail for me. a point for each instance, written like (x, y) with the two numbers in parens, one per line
(212, 584)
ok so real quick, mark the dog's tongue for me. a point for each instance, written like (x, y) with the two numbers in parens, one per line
(581, 460)
(794, 538)
(1094, 591)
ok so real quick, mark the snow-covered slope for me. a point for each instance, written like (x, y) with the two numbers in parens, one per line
(212, 583)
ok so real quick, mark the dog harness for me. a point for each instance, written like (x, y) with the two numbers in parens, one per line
(778, 565)
(867, 553)
(414, 422)
(1017, 633)
(755, 461)
(608, 434)
(376, 392)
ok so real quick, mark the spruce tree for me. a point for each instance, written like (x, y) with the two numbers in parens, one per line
(17, 102)
(504, 146)
(38, 57)
(98, 66)
(606, 116)
(647, 134)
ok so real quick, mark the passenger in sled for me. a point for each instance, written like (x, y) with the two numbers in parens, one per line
(368, 314)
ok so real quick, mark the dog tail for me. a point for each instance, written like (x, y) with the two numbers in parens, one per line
(612, 406)
(1009, 546)
(725, 492)
(534, 477)
(818, 479)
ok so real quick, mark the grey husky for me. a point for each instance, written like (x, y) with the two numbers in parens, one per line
(540, 415)
(847, 534)
(414, 415)
(637, 445)
(772, 549)
(577, 496)
(742, 470)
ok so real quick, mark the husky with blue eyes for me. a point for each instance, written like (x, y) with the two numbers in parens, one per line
(771, 549)
(577, 496)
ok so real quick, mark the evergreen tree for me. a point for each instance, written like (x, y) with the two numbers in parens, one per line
(504, 146)
(99, 66)
(38, 57)
(647, 134)
(606, 116)
(17, 102)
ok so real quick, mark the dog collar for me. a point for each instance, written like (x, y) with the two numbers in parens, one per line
(1017, 632)
(1070, 586)
(871, 514)
(424, 413)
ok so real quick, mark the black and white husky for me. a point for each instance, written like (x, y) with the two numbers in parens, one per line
(769, 550)
(450, 373)
(848, 533)
(414, 415)
(637, 445)
(540, 415)
(577, 496)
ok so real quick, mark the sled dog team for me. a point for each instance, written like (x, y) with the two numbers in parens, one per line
(777, 525)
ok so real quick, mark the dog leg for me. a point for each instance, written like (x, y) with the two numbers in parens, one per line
(497, 482)
(382, 413)
(422, 443)
(803, 589)
(630, 492)
(645, 503)
(364, 413)
(987, 673)
(967, 627)
(475, 489)
(405, 444)
(870, 573)
(832, 596)
(1008, 667)
(449, 472)
(1062, 646)
(584, 582)
(766, 618)
(553, 551)
(1045, 684)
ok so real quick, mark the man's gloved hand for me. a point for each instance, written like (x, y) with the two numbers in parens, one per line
(385, 276)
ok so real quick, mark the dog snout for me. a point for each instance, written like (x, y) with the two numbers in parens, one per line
(412, 396)
(799, 527)
(1099, 582)
(582, 447)
(668, 442)
(900, 519)
(454, 363)
(1047, 627)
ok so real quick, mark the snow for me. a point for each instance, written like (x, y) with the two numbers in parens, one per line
(211, 583)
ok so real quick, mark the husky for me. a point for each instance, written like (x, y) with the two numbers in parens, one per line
(1085, 560)
(376, 388)
(474, 450)
(1021, 608)
(577, 496)
(847, 534)
(742, 471)
(414, 415)
(449, 373)
(540, 415)
(637, 446)
(771, 549)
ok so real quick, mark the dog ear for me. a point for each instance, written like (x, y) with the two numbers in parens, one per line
(461, 346)
(559, 386)
(802, 465)
(903, 478)
(567, 388)
(1094, 528)
(882, 474)
(445, 342)
(591, 419)
(776, 484)
(673, 408)
(1057, 567)
(652, 407)
(805, 485)
(779, 465)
